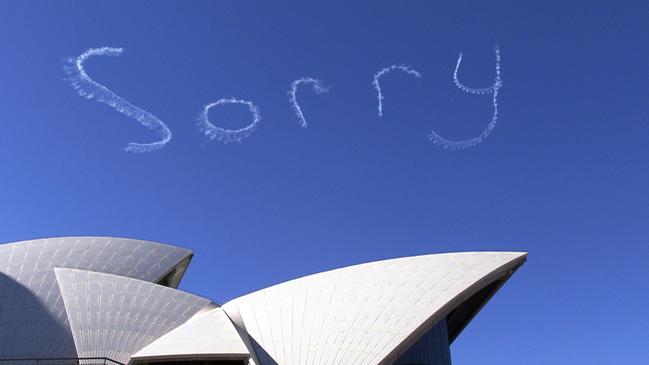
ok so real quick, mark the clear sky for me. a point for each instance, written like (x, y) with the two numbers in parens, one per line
(563, 175)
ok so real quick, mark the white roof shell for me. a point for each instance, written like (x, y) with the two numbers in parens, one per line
(115, 316)
(96, 297)
(32, 315)
(206, 336)
(363, 314)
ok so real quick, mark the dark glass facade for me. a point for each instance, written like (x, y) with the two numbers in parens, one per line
(431, 349)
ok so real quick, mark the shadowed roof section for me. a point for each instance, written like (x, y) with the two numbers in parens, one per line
(115, 316)
(33, 307)
(369, 313)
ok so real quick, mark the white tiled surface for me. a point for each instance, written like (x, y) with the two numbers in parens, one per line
(210, 333)
(115, 316)
(358, 314)
(354, 315)
(32, 315)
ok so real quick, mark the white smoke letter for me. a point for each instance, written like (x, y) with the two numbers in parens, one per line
(386, 70)
(91, 89)
(493, 89)
(318, 88)
(228, 135)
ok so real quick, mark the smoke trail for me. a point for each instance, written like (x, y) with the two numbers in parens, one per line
(385, 70)
(457, 145)
(90, 89)
(228, 135)
(318, 88)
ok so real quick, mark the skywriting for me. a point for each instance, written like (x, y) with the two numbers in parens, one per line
(90, 89)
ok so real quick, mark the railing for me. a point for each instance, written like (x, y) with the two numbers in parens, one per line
(61, 361)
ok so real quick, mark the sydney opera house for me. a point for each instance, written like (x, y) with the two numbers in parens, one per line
(114, 301)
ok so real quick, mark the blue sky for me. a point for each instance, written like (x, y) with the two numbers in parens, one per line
(564, 174)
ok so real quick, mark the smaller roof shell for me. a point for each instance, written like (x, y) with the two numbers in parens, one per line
(115, 316)
(209, 335)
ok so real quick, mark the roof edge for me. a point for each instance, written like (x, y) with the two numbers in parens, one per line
(98, 236)
(520, 253)
(193, 357)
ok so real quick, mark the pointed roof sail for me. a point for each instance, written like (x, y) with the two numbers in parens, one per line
(365, 314)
